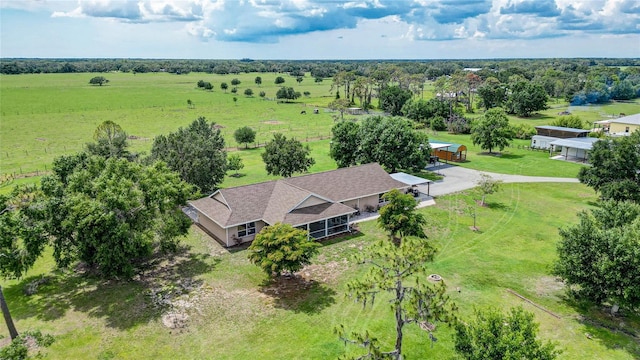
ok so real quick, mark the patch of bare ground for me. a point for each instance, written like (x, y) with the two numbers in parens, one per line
(247, 305)
(325, 272)
(548, 285)
(134, 137)
(272, 122)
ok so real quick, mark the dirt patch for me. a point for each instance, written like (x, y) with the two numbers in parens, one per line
(41, 139)
(326, 273)
(133, 137)
(273, 122)
(217, 126)
(548, 285)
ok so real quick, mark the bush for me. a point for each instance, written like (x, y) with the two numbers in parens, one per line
(18, 349)
(437, 123)
(523, 131)
(458, 124)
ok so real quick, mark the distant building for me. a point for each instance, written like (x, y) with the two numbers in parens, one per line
(624, 126)
(547, 134)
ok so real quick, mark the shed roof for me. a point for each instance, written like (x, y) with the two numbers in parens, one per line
(576, 143)
(440, 145)
(560, 128)
(409, 179)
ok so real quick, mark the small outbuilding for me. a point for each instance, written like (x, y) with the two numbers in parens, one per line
(575, 149)
(546, 135)
(448, 151)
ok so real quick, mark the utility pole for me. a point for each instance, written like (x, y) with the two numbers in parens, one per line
(7, 316)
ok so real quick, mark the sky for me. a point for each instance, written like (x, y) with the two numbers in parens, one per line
(319, 29)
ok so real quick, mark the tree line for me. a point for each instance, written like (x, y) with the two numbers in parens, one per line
(579, 81)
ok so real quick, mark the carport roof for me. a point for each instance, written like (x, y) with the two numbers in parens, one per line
(409, 179)
(576, 143)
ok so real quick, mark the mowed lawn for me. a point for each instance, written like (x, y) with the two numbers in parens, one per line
(233, 313)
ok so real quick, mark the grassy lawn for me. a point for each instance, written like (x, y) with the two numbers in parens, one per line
(234, 313)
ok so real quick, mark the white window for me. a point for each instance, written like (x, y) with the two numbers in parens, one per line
(247, 229)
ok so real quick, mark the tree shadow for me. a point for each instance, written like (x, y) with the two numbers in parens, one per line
(121, 303)
(621, 331)
(298, 294)
(511, 156)
(496, 205)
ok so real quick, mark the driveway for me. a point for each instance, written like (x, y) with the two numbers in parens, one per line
(456, 178)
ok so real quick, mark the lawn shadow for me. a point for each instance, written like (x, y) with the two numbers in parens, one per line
(614, 332)
(298, 294)
(496, 206)
(122, 304)
(501, 155)
(511, 156)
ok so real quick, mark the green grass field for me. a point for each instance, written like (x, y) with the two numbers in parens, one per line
(234, 313)
(47, 115)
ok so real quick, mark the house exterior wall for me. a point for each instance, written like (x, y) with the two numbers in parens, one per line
(233, 234)
(362, 203)
(616, 128)
(215, 229)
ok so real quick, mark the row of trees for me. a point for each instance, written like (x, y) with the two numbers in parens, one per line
(576, 80)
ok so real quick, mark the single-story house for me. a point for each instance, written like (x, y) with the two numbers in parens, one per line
(448, 151)
(321, 203)
(624, 126)
(546, 134)
(575, 148)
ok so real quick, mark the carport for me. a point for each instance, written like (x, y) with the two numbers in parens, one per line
(412, 181)
(573, 149)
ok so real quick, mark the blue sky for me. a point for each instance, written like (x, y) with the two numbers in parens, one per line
(320, 29)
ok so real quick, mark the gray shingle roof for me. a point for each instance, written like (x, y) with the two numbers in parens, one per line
(631, 120)
(273, 201)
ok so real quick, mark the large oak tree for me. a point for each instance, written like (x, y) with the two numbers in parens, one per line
(284, 156)
(195, 152)
(492, 130)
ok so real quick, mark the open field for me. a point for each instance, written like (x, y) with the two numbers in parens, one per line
(47, 115)
(234, 314)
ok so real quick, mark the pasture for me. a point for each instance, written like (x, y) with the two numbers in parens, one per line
(234, 313)
(47, 115)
